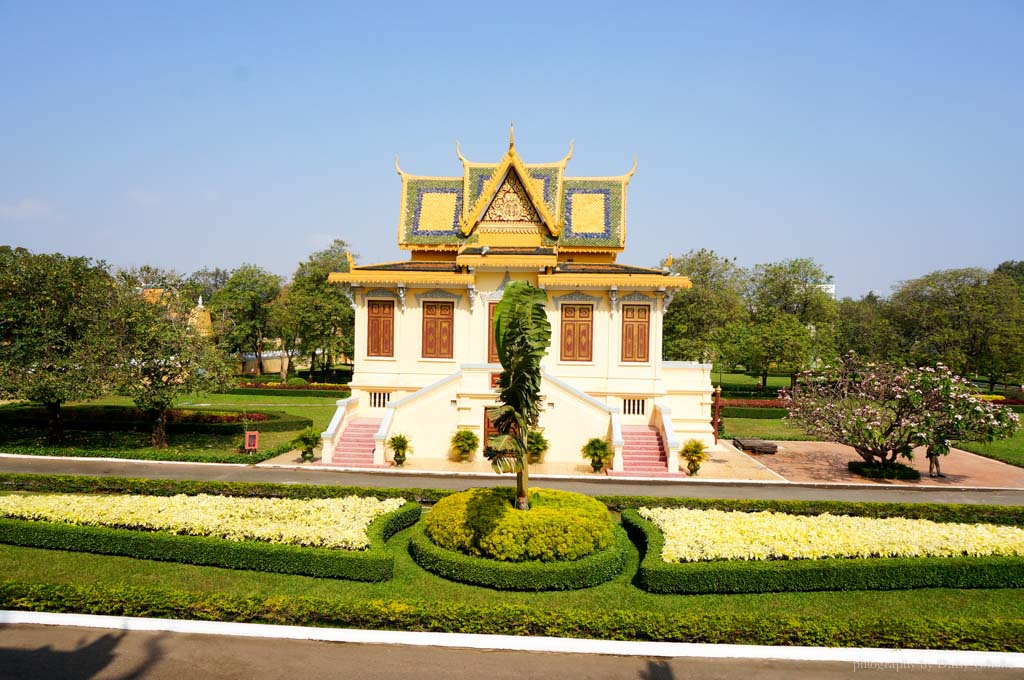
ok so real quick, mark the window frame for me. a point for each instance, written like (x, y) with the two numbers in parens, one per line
(631, 326)
(438, 321)
(575, 325)
(389, 335)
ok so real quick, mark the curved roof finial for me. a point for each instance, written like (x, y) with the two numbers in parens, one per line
(398, 169)
(568, 155)
(631, 170)
(458, 152)
(511, 135)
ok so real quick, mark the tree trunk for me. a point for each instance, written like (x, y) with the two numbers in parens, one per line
(523, 478)
(792, 382)
(522, 482)
(55, 419)
(285, 362)
(159, 436)
(764, 380)
(991, 384)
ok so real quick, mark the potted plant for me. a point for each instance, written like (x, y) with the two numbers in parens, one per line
(465, 442)
(306, 441)
(694, 451)
(536, 446)
(598, 452)
(399, 443)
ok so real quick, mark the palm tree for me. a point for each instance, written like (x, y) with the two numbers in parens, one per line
(522, 335)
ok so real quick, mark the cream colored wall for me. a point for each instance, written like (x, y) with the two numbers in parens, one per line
(431, 420)
(689, 395)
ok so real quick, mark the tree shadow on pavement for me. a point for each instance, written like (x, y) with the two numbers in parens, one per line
(82, 663)
(657, 670)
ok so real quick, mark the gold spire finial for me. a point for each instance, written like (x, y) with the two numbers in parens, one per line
(632, 170)
(568, 155)
(398, 169)
(511, 135)
(351, 262)
(668, 261)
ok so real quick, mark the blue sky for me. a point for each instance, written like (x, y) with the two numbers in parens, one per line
(883, 139)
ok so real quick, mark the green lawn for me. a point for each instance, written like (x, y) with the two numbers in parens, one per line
(196, 447)
(762, 428)
(1007, 450)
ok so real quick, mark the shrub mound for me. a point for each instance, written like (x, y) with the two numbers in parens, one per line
(589, 571)
(559, 526)
(772, 576)
(894, 471)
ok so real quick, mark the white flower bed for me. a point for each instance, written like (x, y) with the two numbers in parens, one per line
(329, 523)
(701, 535)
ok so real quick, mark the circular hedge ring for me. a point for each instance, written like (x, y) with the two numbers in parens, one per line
(533, 575)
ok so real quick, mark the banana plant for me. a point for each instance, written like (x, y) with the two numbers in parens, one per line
(522, 335)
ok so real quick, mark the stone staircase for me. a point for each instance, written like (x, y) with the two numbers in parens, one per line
(643, 454)
(355, 448)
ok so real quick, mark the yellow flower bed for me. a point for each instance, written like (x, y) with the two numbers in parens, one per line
(701, 535)
(329, 522)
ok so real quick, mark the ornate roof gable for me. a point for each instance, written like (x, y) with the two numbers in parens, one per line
(510, 192)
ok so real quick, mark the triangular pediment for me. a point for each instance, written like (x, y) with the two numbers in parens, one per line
(511, 203)
(511, 197)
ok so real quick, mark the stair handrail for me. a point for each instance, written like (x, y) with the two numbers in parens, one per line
(663, 422)
(329, 437)
(383, 433)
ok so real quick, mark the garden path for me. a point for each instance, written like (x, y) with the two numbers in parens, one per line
(825, 462)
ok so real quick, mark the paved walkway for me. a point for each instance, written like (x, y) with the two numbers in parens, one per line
(594, 485)
(826, 462)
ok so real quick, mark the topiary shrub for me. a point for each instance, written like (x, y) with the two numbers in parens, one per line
(536, 446)
(598, 451)
(465, 442)
(559, 525)
(296, 382)
(894, 471)
(694, 452)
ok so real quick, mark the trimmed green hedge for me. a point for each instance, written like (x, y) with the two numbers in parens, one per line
(119, 418)
(752, 412)
(774, 576)
(373, 564)
(172, 487)
(892, 471)
(583, 573)
(906, 631)
(1007, 515)
(193, 456)
(271, 392)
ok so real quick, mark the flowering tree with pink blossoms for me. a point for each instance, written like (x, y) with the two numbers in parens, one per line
(884, 411)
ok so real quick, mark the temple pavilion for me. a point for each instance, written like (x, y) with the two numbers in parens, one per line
(425, 359)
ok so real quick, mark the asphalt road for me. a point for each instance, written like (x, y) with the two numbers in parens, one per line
(32, 652)
(248, 473)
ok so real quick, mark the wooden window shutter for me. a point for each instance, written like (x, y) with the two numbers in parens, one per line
(380, 328)
(636, 332)
(492, 346)
(577, 332)
(438, 329)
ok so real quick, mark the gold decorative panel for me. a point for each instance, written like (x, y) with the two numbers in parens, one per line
(511, 204)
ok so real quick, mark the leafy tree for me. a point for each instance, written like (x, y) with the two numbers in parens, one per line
(696, 314)
(325, 318)
(54, 325)
(1002, 358)
(794, 287)
(777, 342)
(241, 309)
(884, 411)
(203, 283)
(1015, 270)
(286, 319)
(161, 354)
(944, 317)
(522, 334)
(865, 328)
(780, 293)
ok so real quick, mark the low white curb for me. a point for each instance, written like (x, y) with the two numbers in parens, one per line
(891, 658)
